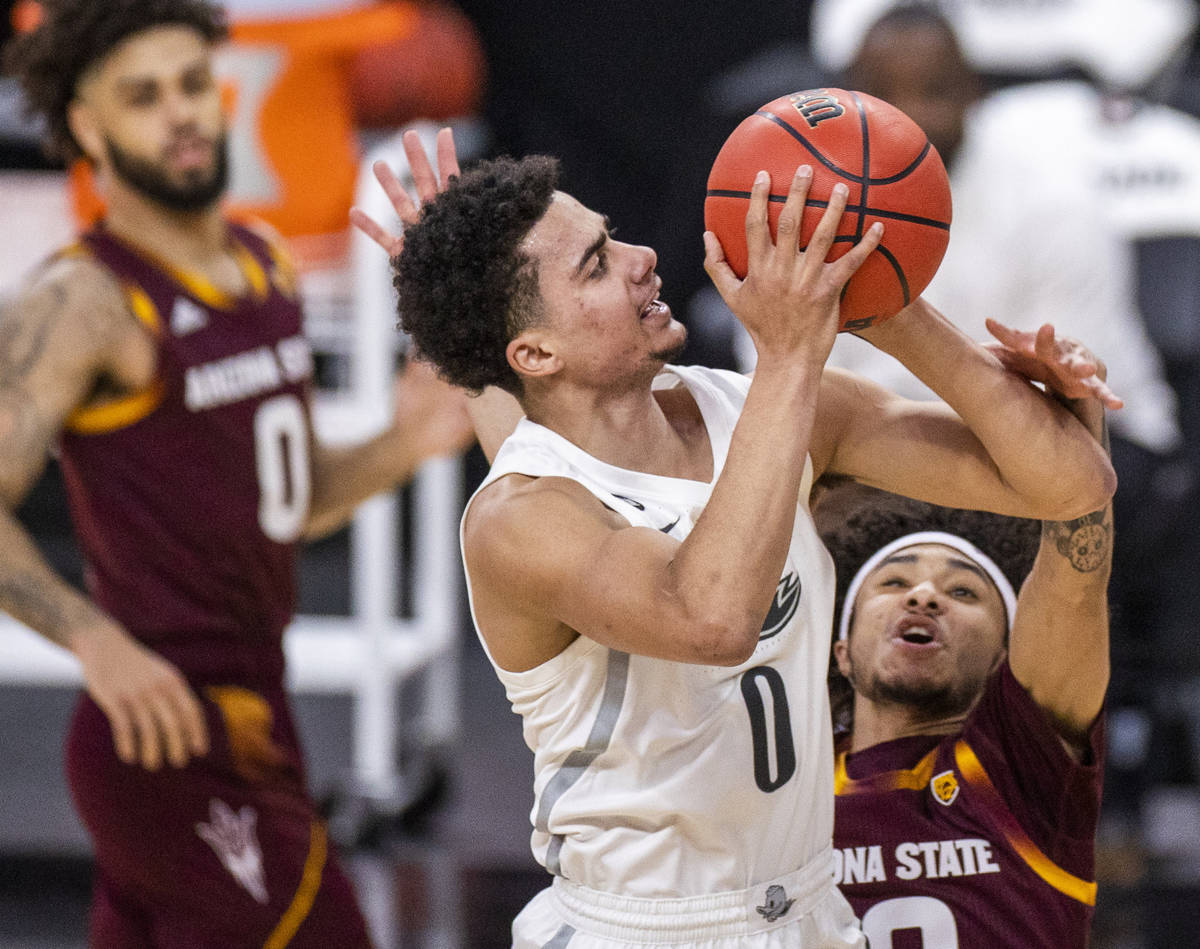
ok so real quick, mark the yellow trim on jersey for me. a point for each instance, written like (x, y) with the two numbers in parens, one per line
(200, 286)
(121, 413)
(283, 264)
(210, 294)
(912, 779)
(143, 308)
(306, 892)
(973, 771)
(76, 249)
(124, 411)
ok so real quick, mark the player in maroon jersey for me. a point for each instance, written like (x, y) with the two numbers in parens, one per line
(969, 766)
(163, 355)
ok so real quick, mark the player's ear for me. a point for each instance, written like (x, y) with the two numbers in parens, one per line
(841, 653)
(533, 353)
(81, 120)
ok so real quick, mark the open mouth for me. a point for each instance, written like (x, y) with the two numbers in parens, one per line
(916, 632)
(917, 636)
(190, 152)
(654, 308)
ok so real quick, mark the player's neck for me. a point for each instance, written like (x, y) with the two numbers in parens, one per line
(876, 723)
(187, 239)
(657, 433)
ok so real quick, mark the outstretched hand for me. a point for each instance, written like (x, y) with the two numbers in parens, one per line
(427, 184)
(1062, 364)
(790, 298)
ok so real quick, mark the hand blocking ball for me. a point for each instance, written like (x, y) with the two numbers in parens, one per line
(893, 173)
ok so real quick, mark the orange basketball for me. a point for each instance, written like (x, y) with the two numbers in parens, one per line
(893, 173)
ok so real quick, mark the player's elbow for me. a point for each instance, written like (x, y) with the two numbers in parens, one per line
(708, 618)
(723, 642)
(1108, 483)
(1087, 494)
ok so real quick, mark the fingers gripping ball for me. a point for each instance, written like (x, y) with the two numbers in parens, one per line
(893, 173)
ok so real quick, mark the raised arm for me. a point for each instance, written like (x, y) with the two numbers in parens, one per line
(1058, 646)
(65, 337)
(992, 441)
(493, 413)
(430, 420)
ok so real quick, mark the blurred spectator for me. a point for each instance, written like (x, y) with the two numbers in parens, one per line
(1029, 243)
(1118, 43)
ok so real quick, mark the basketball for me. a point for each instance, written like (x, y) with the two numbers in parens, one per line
(893, 173)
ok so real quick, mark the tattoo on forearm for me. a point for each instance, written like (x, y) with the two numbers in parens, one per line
(1085, 541)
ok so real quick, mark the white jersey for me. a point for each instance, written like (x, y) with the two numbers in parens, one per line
(661, 779)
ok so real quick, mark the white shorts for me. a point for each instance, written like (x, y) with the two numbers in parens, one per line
(802, 910)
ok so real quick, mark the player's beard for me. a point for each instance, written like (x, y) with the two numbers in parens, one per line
(199, 190)
(934, 700)
(668, 354)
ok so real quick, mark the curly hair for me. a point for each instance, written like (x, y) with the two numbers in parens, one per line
(855, 521)
(74, 35)
(465, 288)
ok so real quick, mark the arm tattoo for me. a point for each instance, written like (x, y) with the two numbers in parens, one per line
(1085, 541)
(23, 342)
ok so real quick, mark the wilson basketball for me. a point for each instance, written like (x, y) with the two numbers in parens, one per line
(893, 173)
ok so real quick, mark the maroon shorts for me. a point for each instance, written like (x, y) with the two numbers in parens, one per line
(225, 853)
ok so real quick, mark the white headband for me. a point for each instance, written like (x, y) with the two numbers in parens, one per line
(985, 563)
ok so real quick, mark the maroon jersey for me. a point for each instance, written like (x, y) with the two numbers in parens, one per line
(188, 497)
(983, 838)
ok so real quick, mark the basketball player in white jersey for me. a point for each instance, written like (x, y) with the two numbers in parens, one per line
(643, 569)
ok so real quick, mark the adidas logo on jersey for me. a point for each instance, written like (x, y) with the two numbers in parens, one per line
(187, 317)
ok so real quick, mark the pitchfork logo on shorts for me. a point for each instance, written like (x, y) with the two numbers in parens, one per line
(233, 838)
(783, 607)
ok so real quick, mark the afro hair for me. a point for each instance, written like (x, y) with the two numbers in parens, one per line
(464, 286)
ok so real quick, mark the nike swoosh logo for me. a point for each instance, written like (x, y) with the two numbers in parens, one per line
(667, 529)
(638, 504)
